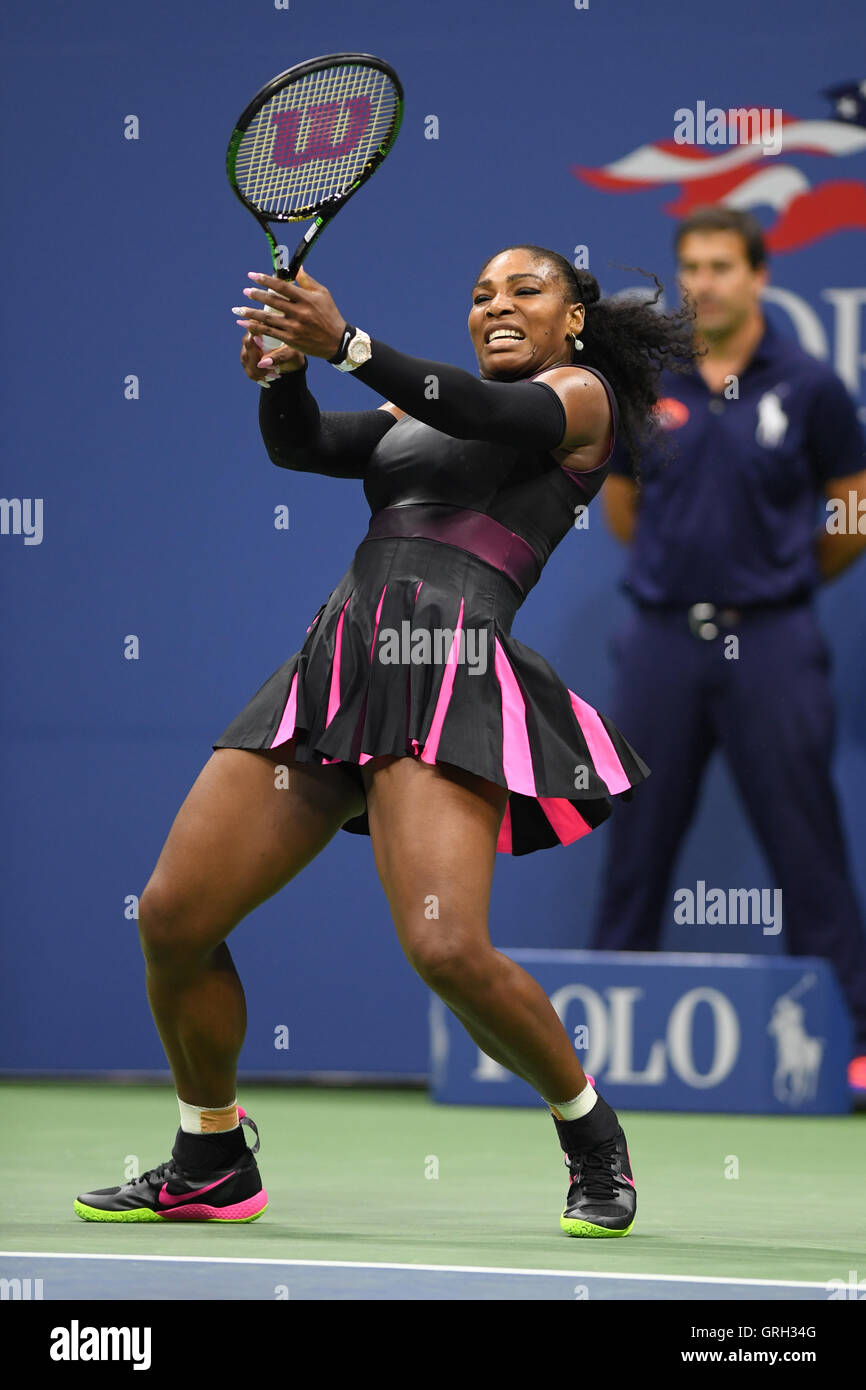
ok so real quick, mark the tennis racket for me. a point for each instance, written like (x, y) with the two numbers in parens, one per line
(308, 141)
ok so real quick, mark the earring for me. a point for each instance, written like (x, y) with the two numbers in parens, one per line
(577, 343)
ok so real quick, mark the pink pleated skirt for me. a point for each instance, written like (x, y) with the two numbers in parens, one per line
(411, 655)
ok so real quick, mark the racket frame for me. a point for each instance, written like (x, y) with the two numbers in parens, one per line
(323, 213)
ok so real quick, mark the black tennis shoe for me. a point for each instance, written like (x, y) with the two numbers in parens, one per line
(233, 1193)
(602, 1199)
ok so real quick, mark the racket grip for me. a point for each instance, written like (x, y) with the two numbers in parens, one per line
(269, 344)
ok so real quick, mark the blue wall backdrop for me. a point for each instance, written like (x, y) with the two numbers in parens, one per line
(122, 257)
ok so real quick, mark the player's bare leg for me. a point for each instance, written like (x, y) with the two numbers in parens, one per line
(239, 837)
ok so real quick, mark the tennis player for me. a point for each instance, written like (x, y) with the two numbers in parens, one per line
(410, 714)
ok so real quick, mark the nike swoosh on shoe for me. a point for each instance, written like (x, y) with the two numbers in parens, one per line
(166, 1199)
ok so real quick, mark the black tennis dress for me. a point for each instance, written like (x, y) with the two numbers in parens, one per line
(412, 653)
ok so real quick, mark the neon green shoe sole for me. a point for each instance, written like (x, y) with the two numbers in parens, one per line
(573, 1227)
(145, 1214)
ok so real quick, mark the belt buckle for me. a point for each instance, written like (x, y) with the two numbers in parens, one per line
(700, 621)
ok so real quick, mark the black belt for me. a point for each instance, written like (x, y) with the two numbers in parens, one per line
(704, 619)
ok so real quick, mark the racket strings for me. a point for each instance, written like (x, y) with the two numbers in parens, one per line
(313, 138)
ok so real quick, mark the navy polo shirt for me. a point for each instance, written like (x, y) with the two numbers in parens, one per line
(731, 518)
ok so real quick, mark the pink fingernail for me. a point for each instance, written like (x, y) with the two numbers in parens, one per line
(266, 362)
(252, 275)
(260, 343)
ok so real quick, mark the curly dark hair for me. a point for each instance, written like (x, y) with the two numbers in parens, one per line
(627, 340)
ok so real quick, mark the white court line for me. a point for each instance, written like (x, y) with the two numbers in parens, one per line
(444, 1269)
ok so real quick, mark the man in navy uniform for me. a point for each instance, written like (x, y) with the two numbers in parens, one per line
(723, 541)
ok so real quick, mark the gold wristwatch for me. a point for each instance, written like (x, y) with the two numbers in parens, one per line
(354, 350)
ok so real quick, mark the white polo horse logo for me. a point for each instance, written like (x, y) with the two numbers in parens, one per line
(772, 421)
(798, 1057)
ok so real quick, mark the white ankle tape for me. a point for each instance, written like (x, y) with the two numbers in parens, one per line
(577, 1108)
(205, 1119)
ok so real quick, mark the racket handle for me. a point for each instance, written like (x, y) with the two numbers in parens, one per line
(269, 345)
(272, 343)
(269, 342)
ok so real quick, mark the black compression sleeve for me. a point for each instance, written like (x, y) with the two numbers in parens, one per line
(337, 444)
(526, 414)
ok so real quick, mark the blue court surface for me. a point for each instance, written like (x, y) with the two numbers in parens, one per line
(173, 1277)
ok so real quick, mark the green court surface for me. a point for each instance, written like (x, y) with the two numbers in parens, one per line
(346, 1172)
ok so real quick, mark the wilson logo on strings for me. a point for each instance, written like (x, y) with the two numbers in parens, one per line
(321, 142)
